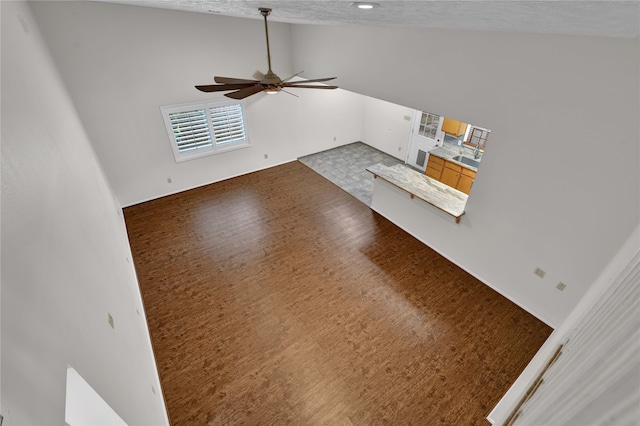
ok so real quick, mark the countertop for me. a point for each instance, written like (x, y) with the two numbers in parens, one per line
(447, 152)
(436, 193)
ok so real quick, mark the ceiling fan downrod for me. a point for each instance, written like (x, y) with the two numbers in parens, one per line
(269, 77)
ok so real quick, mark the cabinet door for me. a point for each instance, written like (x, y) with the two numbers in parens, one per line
(464, 183)
(462, 129)
(450, 174)
(453, 127)
(466, 179)
(449, 125)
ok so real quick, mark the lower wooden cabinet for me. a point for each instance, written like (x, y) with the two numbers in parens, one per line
(450, 174)
(434, 167)
(466, 179)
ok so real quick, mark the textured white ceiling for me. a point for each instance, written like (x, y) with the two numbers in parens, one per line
(598, 18)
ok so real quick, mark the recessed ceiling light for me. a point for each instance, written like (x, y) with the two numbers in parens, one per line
(364, 5)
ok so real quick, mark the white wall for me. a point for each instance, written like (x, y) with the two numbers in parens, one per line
(385, 128)
(65, 256)
(559, 186)
(118, 64)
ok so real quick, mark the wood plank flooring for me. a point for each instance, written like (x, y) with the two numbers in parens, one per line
(277, 298)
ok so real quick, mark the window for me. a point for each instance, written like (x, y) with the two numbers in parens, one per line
(201, 129)
(478, 137)
(429, 125)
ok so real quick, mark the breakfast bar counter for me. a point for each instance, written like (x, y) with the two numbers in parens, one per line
(445, 198)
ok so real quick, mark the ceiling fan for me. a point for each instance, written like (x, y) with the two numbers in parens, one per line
(269, 82)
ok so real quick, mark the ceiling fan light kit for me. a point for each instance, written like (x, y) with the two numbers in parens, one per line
(270, 83)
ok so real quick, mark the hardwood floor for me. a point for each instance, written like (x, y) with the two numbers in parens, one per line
(277, 298)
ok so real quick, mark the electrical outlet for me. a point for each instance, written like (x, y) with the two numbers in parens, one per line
(399, 148)
(539, 272)
(334, 138)
(407, 118)
(169, 180)
(266, 156)
(561, 286)
(110, 320)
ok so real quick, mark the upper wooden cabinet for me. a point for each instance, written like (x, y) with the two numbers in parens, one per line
(453, 127)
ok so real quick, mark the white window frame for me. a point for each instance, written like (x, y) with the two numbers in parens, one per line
(429, 125)
(212, 145)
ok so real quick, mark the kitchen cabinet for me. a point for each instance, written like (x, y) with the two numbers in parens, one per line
(466, 179)
(434, 167)
(453, 127)
(450, 174)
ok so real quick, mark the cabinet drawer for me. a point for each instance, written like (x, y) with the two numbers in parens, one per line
(433, 161)
(453, 167)
(468, 172)
(434, 173)
(435, 166)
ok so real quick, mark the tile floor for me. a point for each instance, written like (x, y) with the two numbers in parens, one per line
(346, 167)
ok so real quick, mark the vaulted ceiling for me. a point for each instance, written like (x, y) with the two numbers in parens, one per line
(595, 18)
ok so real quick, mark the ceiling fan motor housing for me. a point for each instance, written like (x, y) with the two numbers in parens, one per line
(270, 78)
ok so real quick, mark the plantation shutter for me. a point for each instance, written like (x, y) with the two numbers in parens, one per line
(190, 130)
(227, 124)
(205, 128)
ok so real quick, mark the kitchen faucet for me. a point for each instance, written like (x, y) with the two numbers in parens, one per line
(476, 152)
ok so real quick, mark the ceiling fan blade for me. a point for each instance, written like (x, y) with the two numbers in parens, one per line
(290, 77)
(306, 86)
(230, 80)
(316, 80)
(258, 75)
(247, 91)
(222, 87)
